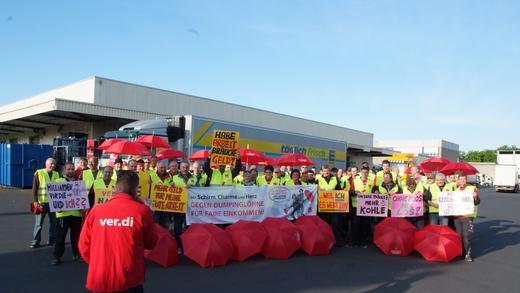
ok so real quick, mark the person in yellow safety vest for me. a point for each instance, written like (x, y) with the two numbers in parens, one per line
(173, 168)
(221, 176)
(414, 187)
(295, 179)
(39, 192)
(143, 190)
(464, 223)
(363, 184)
(67, 220)
(184, 180)
(284, 175)
(386, 169)
(153, 163)
(431, 196)
(248, 180)
(388, 187)
(104, 184)
(304, 177)
(338, 221)
(268, 177)
(92, 173)
(118, 166)
(201, 178)
(397, 176)
(371, 175)
(161, 176)
(452, 181)
(146, 165)
(240, 177)
(430, 179)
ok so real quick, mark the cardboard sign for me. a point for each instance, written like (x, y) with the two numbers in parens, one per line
(224, 147)
(456, 203)
(102, 195)
(372, 205)
(333, 201)
(167, 198)
(407, 205)
(67, 196)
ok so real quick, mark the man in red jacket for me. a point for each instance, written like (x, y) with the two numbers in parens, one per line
(114, 237)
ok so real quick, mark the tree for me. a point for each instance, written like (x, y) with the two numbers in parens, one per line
(478, 156)
(507, 148)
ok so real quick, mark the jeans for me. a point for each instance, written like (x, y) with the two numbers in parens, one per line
(62, 227)
(38, 224)
(435, 219)
(464, 227)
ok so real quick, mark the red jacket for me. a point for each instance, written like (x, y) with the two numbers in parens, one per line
(113, 239)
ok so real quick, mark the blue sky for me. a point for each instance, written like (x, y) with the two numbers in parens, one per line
(398, 69)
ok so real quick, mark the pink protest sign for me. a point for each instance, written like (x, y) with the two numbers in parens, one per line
(407, 205)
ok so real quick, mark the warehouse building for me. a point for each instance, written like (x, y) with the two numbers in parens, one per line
(422, 148)
(93, 106)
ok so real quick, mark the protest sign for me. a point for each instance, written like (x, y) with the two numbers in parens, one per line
(456, 203)
(67, 196)
(333, 201)
(102, 195)
(372, 205)
(224, 147)
(223, 205)
(407, 205)
(167, 198)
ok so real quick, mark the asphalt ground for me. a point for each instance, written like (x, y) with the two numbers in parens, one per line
(496, 266)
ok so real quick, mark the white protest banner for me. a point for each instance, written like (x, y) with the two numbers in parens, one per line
(456, 203)
(223, 205)
(407, 205)
(67, 196)
(372, 205)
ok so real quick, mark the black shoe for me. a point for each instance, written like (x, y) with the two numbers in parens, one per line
(56, 262)
(36, 245)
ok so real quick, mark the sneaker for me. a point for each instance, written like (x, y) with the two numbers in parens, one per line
(35, 245)
(56, 262)
(468, 258)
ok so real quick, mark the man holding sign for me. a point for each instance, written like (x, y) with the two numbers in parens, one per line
(102, 188)
(224, 151)
(67, 220)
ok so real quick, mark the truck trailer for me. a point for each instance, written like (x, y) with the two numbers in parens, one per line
(192, 133)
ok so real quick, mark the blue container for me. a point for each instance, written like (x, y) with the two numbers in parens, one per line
(18, 162)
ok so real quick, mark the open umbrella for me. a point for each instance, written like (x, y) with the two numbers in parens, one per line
(251, 157)
(153, 141)
(207, 245)
(438, 243)
(165, 253)
(433, 165)
(170, 153)
(283, 238)
(394, 236)
(200, 155)
(248, 239)
(107, 143)
(268, 161)
(128, 148)
(317, 235)
(459, 166)
(294, 160)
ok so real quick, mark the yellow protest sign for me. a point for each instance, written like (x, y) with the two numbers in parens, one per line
(333, 201)
(102, 195)
(143, 191)
(224, 147)
(167, 198)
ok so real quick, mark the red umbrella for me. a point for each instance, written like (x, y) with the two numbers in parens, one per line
(128, 148)
(170, 153)
(283, 238)
(317, 236)
(394, 236)
(433, 165)
(153, 141)
(165, 253)
(248, 239)
(207, 245)
(251, 157)
(199, 155)
(460, 166)
(294, 160)
(268, 161)
(107, 143)
(438, 243)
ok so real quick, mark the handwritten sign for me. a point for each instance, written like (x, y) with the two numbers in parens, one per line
(407, 205)
(333, 201)
(456, 203)
(102, 195)
(224, 147)
(372, 205)
(67, 196)
(168, 198)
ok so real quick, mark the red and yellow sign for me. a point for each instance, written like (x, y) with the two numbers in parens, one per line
(167, 198)
(333, 201)
(102, 195)
(224, 147)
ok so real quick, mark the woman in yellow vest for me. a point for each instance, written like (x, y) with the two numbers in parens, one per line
(247, 181)
(268, 178)
(39, 191)
(389, 187)
(363, 184)
(295, 179)
(414, 187)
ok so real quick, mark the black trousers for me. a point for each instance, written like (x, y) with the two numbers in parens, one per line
(360, 227)
(63, 225)
(178, 227)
